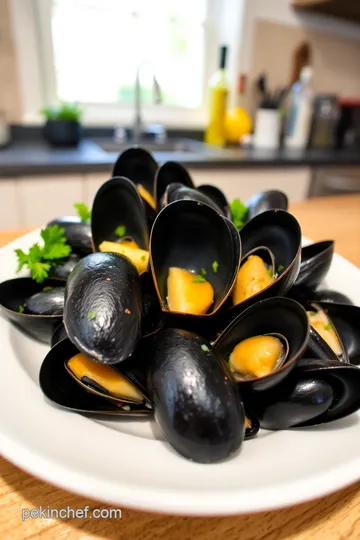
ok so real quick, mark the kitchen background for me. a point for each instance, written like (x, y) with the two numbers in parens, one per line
(38, 182)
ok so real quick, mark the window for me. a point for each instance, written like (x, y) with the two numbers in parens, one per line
(98, 45)
(89, 51)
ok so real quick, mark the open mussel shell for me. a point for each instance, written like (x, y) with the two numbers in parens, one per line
(117, 203)
(153, 318)
(63, 390)
(218, 197)
(274, 316)
(266, 200)
(315, 264)
(140, 167)
(318, 348)
(279, 233)
(179, 192)
(328, 295)
(170, 172)
(77, 233)
(192, 236)
(58, 335)
(195, 399)
(63, 269)
(103, 307)
(15, 294)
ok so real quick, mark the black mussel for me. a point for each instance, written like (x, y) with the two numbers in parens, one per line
(252, 424)
(327, 295)
(179, 192)
(318, 348)
(263, 344)
(345, 382)
(315, 264)
(77, 233)
(195, 399)
(324, 329)
(266, 200)
(271, 244)
(64, 390)
(344, 323)
(49, 301)
(119, 222)
(296, 400)
(63, 269)
(195, 257)
(217, 197)
(140, 167)
(58, 335)
(170, 172)
(15, 295)
(153, 318)
(103, 307)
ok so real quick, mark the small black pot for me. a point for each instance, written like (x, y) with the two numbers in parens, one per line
(62, 133)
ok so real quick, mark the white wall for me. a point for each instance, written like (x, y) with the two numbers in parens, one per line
(281, 11)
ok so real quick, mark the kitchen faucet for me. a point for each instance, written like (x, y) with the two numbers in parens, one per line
(138, 126)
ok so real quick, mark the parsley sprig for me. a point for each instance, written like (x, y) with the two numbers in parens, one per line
(40, 260)
(83, 211)
(239, 213)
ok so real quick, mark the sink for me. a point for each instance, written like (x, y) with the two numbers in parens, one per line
(169, 146)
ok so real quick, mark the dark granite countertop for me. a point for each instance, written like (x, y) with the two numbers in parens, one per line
(24, 158)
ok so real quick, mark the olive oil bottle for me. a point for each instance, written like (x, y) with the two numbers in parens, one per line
(219, 90)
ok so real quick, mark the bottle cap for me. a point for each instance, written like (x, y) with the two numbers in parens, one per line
(223, 54)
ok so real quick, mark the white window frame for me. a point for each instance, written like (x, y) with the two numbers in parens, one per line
(32, 31)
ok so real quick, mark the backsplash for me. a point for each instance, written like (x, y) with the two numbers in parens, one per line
(9, 87)
(335, 59)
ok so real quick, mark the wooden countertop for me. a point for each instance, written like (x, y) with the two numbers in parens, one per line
(330, 518)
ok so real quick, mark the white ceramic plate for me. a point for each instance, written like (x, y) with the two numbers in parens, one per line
(127, 463)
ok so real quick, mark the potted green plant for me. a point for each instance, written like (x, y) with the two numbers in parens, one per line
(62, 127)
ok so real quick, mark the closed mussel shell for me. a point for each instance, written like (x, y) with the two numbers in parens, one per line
(179, 192)
(266, 200)
(195, 400)
(77, 233)
(280, 233)
(63, 390)
(118, 204)
(153, 317)
(64, 268)
(328, 295)
(170, 172)
(274, 316)
(103, 306)
(218, 197)
(16, 293)
(315, 264)
(192, 236)
(140, 167)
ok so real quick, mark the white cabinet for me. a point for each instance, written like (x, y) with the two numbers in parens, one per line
(9, 204)
(242, 183)
(44, 198)
(92, 182)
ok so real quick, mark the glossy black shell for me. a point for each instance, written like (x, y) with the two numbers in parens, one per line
(14, 293)
(217, 197)
(103, 307)
(138, 165)
(59, 334)
(315, 264)
(77, 233)
(46, 302)
(195, 399)
(266, 200)
(191, 235)
(179, 192)
(64, 268)
(272, 316)
(170, 172)
(117, 202)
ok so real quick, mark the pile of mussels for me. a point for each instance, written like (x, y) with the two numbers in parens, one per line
(213, 332)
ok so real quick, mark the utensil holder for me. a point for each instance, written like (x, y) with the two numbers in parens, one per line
(267, 128)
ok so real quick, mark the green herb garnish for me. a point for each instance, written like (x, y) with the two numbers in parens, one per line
(215, 266)
(199, 279)
(312, 313)
(120, 231)
(143, 257)
(239, 213)
(40, 260)
(91, 315)
(20, 309)
(203, 272)
(327, 326)
(83, 211)
(270, 272)
(204, 348)
(280, 267)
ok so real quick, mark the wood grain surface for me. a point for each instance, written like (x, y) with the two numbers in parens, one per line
(335, 517)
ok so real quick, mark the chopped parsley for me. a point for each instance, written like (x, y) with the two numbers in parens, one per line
(143, 257)
(204, 348)
(83, 211)
(328, 326)
(215, 266)
(20, 309)
(91, 315)
(280, 267)
(120, 231)
(270, 272)
(199, 279)
(239, 213)
(312, 313)
(203, 272)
